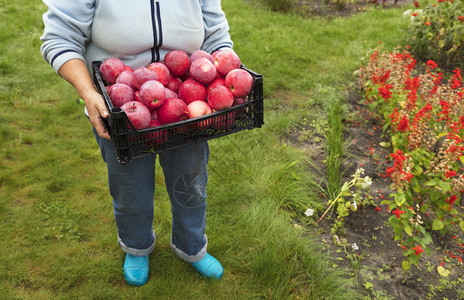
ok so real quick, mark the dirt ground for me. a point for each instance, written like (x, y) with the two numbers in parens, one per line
(319, 8)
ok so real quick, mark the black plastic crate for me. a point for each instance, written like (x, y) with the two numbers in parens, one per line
(131, 143)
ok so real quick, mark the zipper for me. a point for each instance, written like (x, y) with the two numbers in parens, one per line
(157, 30)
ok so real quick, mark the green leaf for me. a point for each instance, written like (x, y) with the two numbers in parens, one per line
(441, 43)
(444, 186)
(405, 265)
(427, 239)
(442, 271)
(417, 170)
(384, 144)
(400, 199)
(431, 182)
(437, 225)
(408, 229)
(461, 224)
(442, 134)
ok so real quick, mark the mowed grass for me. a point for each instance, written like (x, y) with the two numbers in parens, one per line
(56, 223)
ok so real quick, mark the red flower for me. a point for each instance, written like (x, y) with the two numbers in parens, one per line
(385, 92)
(430, 63)
(461, 18)
(418, 249)
(408, 177)
(449, 174)
(446, 110)
(412, 83)
(403, 125)
(394, 116)
(451, 201)
(381, 79)
(428, 23)
(457, 78)
(399, 158)
(398, 212)
(416, 4)
(377, 208)
(414, 14)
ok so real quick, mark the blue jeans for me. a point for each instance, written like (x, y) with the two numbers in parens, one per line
(132, 187)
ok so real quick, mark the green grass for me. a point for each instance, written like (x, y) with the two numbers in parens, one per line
(56, 222)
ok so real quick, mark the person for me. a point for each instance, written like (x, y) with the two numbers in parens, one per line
(140, 32)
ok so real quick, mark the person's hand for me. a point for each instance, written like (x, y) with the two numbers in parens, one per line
(97, 112)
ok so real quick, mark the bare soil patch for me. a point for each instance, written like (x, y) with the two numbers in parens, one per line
(320, 8)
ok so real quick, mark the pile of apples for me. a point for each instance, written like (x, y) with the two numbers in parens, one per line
(179, 88)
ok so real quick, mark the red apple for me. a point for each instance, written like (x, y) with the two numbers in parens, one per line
(177, 62)
(128, 68)
(191, 90)
(126, 77)
(108, 88)
(203, 70)
(152, 94)
(174, 83)
(154, 115)
(138, 114)
(154, 123)
(161, 70)
(137, 95)
(220, 98)
(172, 110)
(215, 83)
(111, 68)
(142, 75)
(226, 61)
(236, 113)
(200, 108)
(120, 93)
(200, 53)
(238, 101)
(240, 82)
(170, 93)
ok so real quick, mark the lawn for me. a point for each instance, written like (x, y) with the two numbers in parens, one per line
(57, 227)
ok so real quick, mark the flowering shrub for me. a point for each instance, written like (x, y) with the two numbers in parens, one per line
(424, 116)
(437, 32)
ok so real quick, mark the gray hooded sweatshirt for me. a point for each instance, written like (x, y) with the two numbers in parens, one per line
(137, 31)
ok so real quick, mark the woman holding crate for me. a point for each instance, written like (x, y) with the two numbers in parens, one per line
(139, 32)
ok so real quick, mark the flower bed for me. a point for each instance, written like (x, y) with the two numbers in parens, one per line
(424, 119)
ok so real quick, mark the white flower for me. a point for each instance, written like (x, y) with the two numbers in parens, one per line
(309, 212)
(407, 13)
(354, 205)
(367, 182)
(358, 173)
(354, 247)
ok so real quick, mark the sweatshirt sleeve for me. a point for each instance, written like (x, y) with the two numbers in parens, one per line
(216, 27)
(66, 30)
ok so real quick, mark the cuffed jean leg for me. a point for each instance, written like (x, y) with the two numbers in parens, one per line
(132, 187)
(186, 176)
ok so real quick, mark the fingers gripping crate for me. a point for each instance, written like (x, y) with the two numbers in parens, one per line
(131, 143)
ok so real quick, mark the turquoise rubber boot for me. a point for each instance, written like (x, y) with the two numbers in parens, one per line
(136, 269)
(209, 267)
